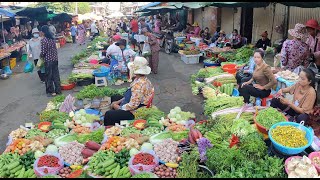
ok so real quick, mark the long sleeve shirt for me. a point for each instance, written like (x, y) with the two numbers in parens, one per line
(311, 42)
(294, 53)
(154, 44)
(49, 50)
(142, 90)
(35, 47)
(264, 77)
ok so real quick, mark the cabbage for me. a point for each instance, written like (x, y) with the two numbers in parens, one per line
(82, 111)
(177, 109)
(77, 116)
(146, 146)
(133, 151)
(83, 119)
(38, 153)
(52, 148)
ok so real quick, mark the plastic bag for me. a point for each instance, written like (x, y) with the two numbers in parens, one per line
(134, 169)
(39, 171)
(10, 140)
(7, 70)
(146, 48)
(40, 63)
(28, 68)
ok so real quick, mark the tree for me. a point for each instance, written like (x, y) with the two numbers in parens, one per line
(68, 7)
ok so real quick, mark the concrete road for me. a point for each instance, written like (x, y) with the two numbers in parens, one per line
(23, 95)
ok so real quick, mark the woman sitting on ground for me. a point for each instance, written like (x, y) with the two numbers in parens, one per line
(206, 37)
(304, 97)
(264, 41)
(263, 78)
(195, 32)
(220, 42)
(138, 95)
(236, 39)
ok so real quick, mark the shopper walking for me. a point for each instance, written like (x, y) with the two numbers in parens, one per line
(34, 51)
(155, 48)
(73, 31)
(81, 33)
(49, 53)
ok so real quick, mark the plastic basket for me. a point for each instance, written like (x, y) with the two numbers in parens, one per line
(190, 59)
(311, 156)
(24, 57)
(261, 128)
(39, 171)
(287, 161)
(134, 169)
(288, 150)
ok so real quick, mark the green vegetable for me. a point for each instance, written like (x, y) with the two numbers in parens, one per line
(34, 132)
(178, 136)
(149, 131)
(143, 175)
(220, 103)
(160, 137)
(58, 99)
(53, 115)
(93, 91)
(96, 136)
(149, 113)
(54, 133)
(27, 160)
(253, 146)
(268, 117)
(62, 140)
(242, 128)
(189, 165)
(244, 53)
(122, 158)
(129, 130)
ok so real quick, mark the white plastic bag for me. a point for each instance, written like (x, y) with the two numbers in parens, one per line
(146, 48)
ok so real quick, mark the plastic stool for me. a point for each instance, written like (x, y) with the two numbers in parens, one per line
(103, 83)
(264, 100)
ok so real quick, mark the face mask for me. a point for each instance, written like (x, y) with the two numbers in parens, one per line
(36, 35)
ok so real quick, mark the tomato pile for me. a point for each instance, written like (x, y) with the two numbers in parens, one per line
(49, 161)
(143, 158)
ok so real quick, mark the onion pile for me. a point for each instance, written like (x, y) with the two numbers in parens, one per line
(163, 171)
(71, 153)
(64, 172)
(167, 151)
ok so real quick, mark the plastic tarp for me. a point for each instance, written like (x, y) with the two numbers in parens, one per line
(145, 7)
(302, 4)
(63, 17)
(6, 12)
(32, 12)
(240, 4)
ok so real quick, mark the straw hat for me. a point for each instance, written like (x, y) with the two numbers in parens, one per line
(35, 30)
(195, 24)
(312, 23)
(222, 32)
(139, 66)
(299, 31)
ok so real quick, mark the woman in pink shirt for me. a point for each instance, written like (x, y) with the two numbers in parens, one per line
(313, 40)
(195, 32)
(157, 25)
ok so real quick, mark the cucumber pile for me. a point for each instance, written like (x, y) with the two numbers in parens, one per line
(226, 88)
(11, 167)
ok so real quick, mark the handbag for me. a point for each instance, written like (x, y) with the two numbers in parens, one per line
(40, 63)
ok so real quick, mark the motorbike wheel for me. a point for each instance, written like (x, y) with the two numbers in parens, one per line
(168, 47)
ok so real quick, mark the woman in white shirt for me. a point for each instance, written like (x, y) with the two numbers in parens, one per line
(34, 52)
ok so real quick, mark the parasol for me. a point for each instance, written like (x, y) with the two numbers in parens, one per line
(5, 12)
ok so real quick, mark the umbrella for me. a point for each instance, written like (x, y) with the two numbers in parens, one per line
(4, 12)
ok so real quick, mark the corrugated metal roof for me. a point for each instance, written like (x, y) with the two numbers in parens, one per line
(240, 4)
(302, 4)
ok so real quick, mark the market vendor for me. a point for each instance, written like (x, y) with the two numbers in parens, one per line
(295, 52)
(264, 41)
(206, 37)
(313, 40)
(221, 39)
(245, 74)
(157, 25)
(261, 82)
(195, 32)
(119, 60)
(138, 95)
(216, 34)
(236, 39)
(304, 97)
(188, 29)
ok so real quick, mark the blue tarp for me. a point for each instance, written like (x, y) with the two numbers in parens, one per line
(148, 5)
(5, 12)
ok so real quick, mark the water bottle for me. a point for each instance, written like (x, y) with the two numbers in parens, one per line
(258, 102)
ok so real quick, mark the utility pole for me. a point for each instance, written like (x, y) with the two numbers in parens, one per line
(76, 7)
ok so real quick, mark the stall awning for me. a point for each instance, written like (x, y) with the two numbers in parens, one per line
(302, 4)
(240, 4)
(145, 7)
(191, 5)
(6, 12)
(32, 12)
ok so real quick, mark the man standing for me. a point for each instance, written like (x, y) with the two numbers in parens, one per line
(73, 31)
(144, 24)
(94, 30)
(134, 27)
(52, 29)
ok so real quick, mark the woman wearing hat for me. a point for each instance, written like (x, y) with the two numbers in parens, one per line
(264, 41)
(313, 40)
(138, 95)
(295, 52)
(155, 49)
(195, 32)
(81, 33)
(222, 38)
(34, 51)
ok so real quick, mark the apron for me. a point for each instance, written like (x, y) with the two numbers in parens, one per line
(127, 97)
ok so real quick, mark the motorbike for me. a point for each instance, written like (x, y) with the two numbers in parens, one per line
(166, 40)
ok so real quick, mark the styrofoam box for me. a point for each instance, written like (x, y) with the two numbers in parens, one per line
(190, 59)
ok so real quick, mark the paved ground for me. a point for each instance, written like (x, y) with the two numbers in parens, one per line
(23, 96)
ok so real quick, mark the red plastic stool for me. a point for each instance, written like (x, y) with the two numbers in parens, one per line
(209, 54)
(264, 100)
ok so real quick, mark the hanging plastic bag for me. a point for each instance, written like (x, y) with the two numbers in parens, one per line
(7, 70)
(146, 48)
(40, 63)
(28, 68)
(298, 69)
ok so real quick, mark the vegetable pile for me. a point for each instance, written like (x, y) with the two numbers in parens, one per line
(284, 136)
(269, 117)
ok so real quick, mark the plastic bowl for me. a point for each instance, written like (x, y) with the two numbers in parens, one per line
(261, 128)
(68, 86)
(94, 61)
(43, 124)
(140, 121)
(230, 68)
(287, 161)
(289, 150)
(311, 156)
(235, 92)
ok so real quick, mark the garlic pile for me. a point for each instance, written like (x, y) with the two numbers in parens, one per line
(71, 153)
(301, 168)
(113, 131)
(36, 145)
(167, 151)
(18, 133)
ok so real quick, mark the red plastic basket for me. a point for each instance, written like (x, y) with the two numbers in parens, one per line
(261, 128)
(68, 87)
(44, 123)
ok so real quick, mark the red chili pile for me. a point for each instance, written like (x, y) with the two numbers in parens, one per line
(143, 158)
(49, 161)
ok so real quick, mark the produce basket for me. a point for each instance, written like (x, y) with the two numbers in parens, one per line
(313, 155)
(230, 68)
(68, 86)
(261, 128)
(288, 160)
(138, 168)
(136, 122)
(289, 150)
(40, 126)
(102, 72)
(190, 59)
(85, 82)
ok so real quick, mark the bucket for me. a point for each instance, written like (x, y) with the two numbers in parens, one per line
(24, 57)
